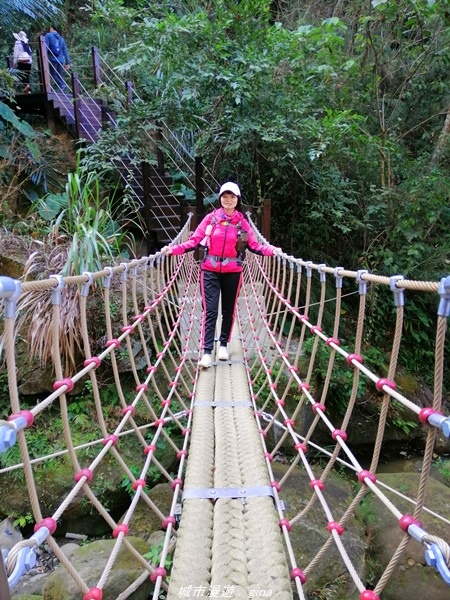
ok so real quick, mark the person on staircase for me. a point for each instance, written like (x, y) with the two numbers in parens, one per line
(224, 235)
(23, 59)
(58, 59)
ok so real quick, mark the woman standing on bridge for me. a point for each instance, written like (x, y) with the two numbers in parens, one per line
(224, 234)
(22, 58)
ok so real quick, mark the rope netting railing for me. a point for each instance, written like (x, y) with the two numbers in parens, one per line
(224, 427)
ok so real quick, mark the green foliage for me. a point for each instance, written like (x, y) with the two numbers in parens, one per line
(83, 217)
(442, 466)
(154, 556)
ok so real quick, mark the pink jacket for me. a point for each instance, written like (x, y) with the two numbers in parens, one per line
(221, 241)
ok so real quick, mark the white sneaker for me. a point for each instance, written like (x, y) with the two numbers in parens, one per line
(206, 361)
(222, 353)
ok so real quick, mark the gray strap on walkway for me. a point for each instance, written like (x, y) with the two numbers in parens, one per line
(215, 493)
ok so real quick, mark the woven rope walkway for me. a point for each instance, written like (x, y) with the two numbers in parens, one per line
(238, 543)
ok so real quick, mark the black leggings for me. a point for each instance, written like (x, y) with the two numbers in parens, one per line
(214, 285)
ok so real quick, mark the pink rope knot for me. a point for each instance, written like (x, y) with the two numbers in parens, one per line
(93, 594)
(269, 456)
(340, 433)
(158, 572)
(94, 360)
(332, 340)
(304, 318)
(49, 523)
(182, 453)
(159, 422)
(24, 414)
(167, 521)
(128, 409)
(263, 432)
(139, 483)
(122, 528)
(357, 357)
(364, 474)
(368, 595)
(318, 406)
(280, 402)
(275, 485)
(385, 382)
(316, 329)
(175, 482)
(301, 446)
(150, 448)
(186, 432)
(304, 386)
(406, 520)
(111, 438)
(128, 329)
(83, 473)
(335, 526)
(316, 482)
(151, 369)
(296, 572)
(115, 342)
(290, 422)
(165, 402)
(67, 382)
(425, 413)
(142, 386)
(285, 523)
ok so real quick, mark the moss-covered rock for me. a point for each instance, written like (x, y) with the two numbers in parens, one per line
(90, 561)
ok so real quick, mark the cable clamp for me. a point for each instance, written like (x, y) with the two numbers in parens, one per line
(10, 290)
(216, 493)
(360, 281)
(399, 296)
(87, 284)
(444, 293)
(56, 291)
(435, 558)
(107, 279)
(25, 560)
(338, 277)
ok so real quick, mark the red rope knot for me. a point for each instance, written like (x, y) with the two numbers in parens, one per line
(304, 386)
(150, 448)
(189, 411)
(182, 453)
(275, 485)
(139, 483)
(167, 521)
(94, 594)
(364, 474)
(406, 520)
(425, 413)
(67, 382)
(368, 595)
(159, 422)
(285, 523)
(158, 572)
(279, 402)
(173, 384)
(142, 386)
(332, 340)
(316, 329)
(303, 318)
(94, 360)
(185, 432)
(122, 528)
(179, 368)
(300, 446)
(269, 456)
(296, 572)
(293, 369)
(149, 307)
(290, 422)
(356, 357)
(23, 414)
(128, 409)
(138, 318)
(165, 402)
(128, 329)
(111, 438)
(385, 382)
(340, 433)
(83, 473)
(263, 432)
(175, 482)
(159, 354)
(273, 386)
(115, 342)
(318, 406)
(49, 523)
(335, 526)
(151, 369)
(268, 371)
(316, 482)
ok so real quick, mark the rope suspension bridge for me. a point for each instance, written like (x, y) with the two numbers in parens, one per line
(227, 424)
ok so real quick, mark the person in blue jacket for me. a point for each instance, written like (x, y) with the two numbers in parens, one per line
(58, 58)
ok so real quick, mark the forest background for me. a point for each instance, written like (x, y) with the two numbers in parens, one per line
(336, 111)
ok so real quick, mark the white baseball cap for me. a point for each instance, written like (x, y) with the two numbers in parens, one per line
(230, 187)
